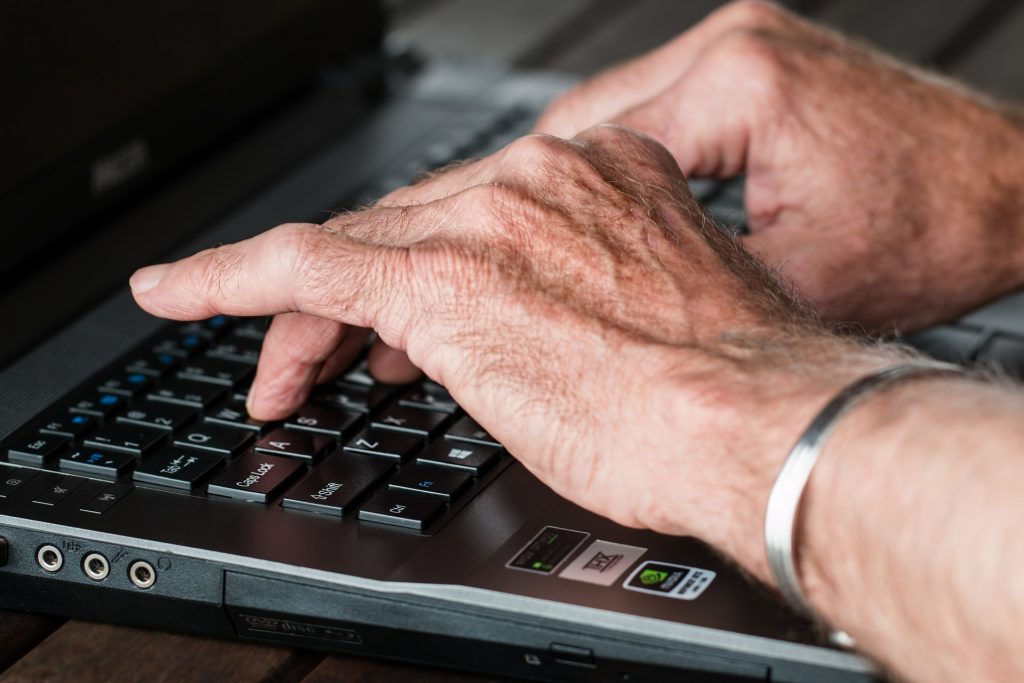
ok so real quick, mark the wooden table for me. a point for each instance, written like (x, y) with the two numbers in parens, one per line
(977, 40)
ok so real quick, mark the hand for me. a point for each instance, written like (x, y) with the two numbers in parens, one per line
(572, 296)
(889, 196)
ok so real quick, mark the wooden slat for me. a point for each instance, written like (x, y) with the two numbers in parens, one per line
(337, 669)
(20, 632)
(917, 30)
(485, 31)
(82, 652)
(997, 64)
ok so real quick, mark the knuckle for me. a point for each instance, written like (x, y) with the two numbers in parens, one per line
(536, 150)
(753, 57)
(755, 13)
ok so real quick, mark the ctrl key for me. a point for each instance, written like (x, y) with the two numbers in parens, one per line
(255, 477)
(409, 510)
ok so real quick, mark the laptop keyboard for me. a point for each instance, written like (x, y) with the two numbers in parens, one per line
(171, 415)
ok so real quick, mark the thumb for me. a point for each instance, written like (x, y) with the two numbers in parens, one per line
(705, 128)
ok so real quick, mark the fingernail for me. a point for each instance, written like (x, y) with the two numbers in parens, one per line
(147, 278)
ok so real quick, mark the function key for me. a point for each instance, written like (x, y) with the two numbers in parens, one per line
(226, 373)
(466, 429)
(13, 478)
(295, 444)
(255, 477)
(224, 441)
(106, 498)
(36, 449)
(183, 392)
(233, 413)
(125, 438)
(393, 445)
(68, 425)
(355, 397)
(412, 420)
(472, 458)
(337, 484)
(181, 345)
(57, 491)
(126, 383)
(360, 374)
(251, 328)
(98, 404)
(336, 423)
(177, 468)
(158, 415)
(429, 396)
(209, 328)
(237, 349)
(409, 510)
(435, 481)
(91, 461)
(152, 364)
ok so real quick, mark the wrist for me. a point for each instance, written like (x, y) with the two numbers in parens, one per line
(738, 420)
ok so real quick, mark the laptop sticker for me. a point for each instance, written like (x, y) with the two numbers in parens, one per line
(669, 580)
(602, 563)
(547, 550)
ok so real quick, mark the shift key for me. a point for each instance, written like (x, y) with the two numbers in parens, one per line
(337, 484)
(255, 477)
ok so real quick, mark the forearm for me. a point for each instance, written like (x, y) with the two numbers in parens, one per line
(910, 537)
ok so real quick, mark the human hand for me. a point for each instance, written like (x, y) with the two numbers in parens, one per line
(575, 300)
(888, 196)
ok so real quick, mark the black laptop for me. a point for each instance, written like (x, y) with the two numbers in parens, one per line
(378, 520)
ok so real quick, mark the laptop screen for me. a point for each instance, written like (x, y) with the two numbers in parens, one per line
(101, 97)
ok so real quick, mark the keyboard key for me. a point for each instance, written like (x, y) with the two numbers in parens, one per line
(237, 349)
(295, 444)
(125, 438)
(435, 481)
(233, 413)
(472, 458)
(393, 445)
(956, 344)
(412, 420)
(1005, 352)
(255, 477)
(429, 396)
(183, 392)
(466, 429)
(152, 364)
(181, 345)
(66, 424)
(354, 397)
(92, 461)
(409, 510)
(58, 491)
(126, 383)
(98, 404)
(251, 328)
(360, 373)
(225, 441)
(36, 449)
(177, 468)
(337, 484)
(13, 478)
(211, 328)
(226, 373)
(336, 423)
(106, 498)
(158, 415)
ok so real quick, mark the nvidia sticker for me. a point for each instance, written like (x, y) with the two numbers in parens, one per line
(669, 580)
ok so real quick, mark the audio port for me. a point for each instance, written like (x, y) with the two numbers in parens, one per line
(50, 558)
(96, 566)
(142, 574)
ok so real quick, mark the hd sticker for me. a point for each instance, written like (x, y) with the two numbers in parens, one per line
(602, 563)
(669, 580)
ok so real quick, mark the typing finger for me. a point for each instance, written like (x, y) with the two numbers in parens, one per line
(392, 366)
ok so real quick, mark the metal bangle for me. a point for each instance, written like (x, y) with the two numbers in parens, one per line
(787, 493)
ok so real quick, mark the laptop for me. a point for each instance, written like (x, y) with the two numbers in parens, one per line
(378, 520)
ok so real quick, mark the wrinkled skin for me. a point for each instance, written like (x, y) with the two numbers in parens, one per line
(572, 296)
(890, 197)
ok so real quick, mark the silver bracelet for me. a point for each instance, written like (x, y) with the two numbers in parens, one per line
(784, 501)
